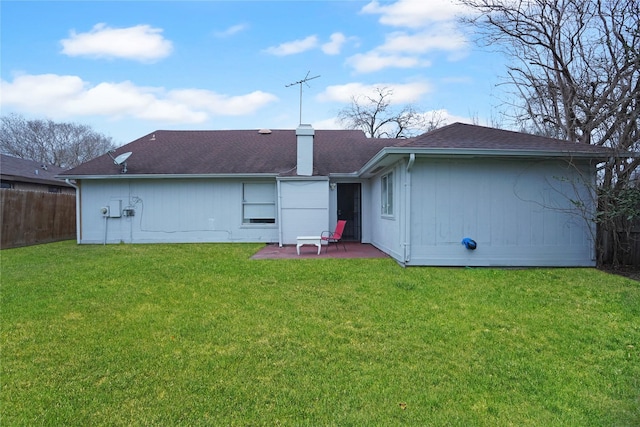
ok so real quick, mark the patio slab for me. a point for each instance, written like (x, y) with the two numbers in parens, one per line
(354, 250)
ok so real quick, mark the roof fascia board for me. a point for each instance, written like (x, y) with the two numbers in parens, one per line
(170, 176)
(302, 178)
(27, 180)
(344, 175)
(467, 153)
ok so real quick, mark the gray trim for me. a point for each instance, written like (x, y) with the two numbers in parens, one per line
(393, 154)
(174, 176)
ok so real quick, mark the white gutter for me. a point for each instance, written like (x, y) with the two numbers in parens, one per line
(303, 178)
(68, 181)
(344, 175)
(174, 176)
(472, 152)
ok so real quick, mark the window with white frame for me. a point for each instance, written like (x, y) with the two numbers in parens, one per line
(259, 203)
(387, 194)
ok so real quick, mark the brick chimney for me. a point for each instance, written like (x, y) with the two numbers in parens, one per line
(304, 135)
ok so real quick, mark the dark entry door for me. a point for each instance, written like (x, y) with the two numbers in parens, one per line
(349, 208)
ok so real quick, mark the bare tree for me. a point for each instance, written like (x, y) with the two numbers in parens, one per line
(61, 144)
(575, 68)
(377, 117)
(575, 71)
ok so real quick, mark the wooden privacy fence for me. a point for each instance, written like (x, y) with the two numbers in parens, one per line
(32, 217)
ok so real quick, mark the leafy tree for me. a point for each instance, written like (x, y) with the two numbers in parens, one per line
(61, 144)
(378, 118)
(575, 70)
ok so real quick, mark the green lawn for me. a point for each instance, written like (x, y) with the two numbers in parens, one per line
(202, 335)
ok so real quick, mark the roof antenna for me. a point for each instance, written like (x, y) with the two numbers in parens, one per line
(299, 82)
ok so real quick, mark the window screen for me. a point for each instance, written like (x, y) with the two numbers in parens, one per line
(259, 203)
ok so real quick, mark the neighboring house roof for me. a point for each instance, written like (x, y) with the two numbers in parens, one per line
(23, 170)
(335, 152)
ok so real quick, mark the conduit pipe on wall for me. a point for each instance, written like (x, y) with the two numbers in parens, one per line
(106, 217)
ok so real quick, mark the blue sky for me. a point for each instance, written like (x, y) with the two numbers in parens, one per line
(127, 68)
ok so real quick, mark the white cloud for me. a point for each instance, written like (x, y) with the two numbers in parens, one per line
(330, 123)
(40, 92)
(440, 37)
(414, 13)
(68, 96)
(294, 47)
(223, 104)
(376, 61)
(443, 117)
(406, 50)
(231, 31)
(430, 27)
(334, 46)
(140, 43)
(402, 93)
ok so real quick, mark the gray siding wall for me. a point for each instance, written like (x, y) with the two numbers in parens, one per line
(168, 210)
(387, 231)
(520, 212)
(304, 208)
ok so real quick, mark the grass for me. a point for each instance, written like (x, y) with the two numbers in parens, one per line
(203, 335)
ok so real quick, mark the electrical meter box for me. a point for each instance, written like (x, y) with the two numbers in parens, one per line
(115, 208)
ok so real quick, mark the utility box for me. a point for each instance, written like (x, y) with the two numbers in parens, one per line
(115, 208)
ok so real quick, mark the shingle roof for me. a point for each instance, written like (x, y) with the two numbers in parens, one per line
(224, 152)
(464, 136)
(23, 170)
(235, 152)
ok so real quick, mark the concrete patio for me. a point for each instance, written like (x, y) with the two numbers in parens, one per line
(354, 250)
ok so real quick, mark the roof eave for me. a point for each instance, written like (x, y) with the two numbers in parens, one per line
(344, 175)
(303, 178)
(171, 176)
(465, 152)
(28, 180)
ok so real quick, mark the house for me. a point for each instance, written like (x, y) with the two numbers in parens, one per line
(23, 174)
(524, 200)
(35, 206)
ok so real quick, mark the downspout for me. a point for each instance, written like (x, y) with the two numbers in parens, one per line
(412, 160)
(78, 218)
(407, 209)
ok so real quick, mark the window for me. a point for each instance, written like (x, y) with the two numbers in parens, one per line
(387, 194)
(6, 184)
(259, 203)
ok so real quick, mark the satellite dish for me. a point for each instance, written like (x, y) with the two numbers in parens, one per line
(122, 158)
